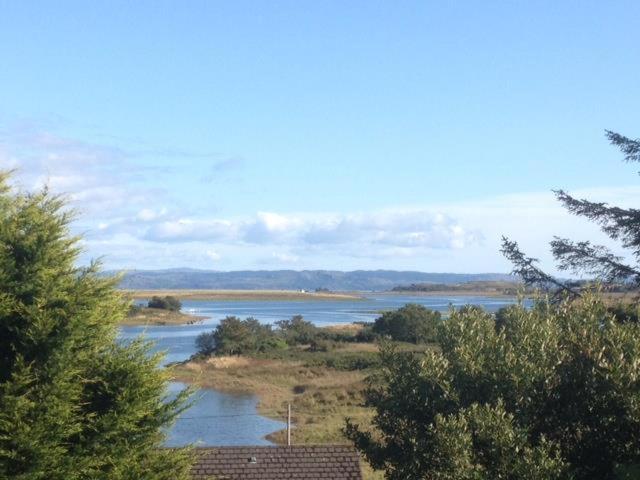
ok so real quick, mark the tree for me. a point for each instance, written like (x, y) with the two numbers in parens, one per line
(412, 323)
(74, 402)
(583, 257)
(297, 330)
(234, 336)
(553, 393)
(165, 303)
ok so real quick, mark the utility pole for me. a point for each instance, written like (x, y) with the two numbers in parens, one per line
(288, 424)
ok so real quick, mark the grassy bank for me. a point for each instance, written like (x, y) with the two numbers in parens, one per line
(323, 387)
(236, 295)
(157, 316)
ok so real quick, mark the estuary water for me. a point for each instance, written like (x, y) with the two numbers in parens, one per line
(222, 419)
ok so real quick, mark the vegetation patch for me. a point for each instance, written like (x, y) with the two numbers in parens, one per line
(155, 316)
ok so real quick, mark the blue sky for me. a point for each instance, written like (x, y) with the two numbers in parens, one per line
(338, 135)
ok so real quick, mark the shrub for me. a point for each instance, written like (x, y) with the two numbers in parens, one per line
(556, 385)
(206, 343)
(134, 310)
(625, 312)
(320, 346)
(234, 336)
(165, 303)
(411, 323)
(366, 335)
(297, 330)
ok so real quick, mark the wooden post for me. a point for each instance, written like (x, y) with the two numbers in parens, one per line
(288, 424)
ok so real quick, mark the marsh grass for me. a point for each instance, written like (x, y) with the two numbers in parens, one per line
(323, 388)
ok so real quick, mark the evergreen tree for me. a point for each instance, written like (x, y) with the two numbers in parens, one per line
(74, 402)
(622, 224)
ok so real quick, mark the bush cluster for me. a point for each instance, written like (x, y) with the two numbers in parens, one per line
(234, 336)
(552, 393)
(412, 323)
(165, 303)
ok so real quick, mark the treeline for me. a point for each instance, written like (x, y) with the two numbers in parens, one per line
(234, 336)
(504, 288)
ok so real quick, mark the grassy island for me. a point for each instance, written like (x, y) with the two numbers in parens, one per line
(158, 316)
(160, 311)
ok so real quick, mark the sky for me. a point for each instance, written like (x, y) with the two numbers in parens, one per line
(340, 135)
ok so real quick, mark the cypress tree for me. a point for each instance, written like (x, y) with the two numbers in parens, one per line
(74, 402)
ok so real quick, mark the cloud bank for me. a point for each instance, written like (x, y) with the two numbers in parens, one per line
(132, 217)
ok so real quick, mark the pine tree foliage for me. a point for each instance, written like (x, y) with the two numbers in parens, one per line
(583, 257)
(74, 403)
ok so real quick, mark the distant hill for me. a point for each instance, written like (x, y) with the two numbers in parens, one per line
(359, 280)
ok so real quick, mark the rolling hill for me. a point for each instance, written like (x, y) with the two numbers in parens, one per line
(359, 280)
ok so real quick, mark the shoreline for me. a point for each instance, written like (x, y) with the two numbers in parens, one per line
(243, 295)
(451, 293)
(274, 383)
(320, 397)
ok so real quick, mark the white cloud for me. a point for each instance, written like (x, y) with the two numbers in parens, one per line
(213, 255)
(149, 214)
(268, 227)
(281, 257)
(189, 230)
(407, 229)
(125, 219)
(458, 237)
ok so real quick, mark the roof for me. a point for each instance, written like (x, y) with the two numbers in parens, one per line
(304, 462)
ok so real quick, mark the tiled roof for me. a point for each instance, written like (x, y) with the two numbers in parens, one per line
(304, 462)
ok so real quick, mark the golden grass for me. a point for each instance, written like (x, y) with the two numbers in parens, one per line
(345, 327)
(234, 295)
(156, 316)
(321, 398)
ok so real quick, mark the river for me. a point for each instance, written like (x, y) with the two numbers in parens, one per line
(223, 419)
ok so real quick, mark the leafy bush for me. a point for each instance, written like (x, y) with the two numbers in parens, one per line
(321, 346)
(353, 361)
(366, 335)
(165, 303)
(626, 313)
(234, 336)
(297, 330)
(553, 393)
(411, 323)
(206, 343)
(134, 310)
